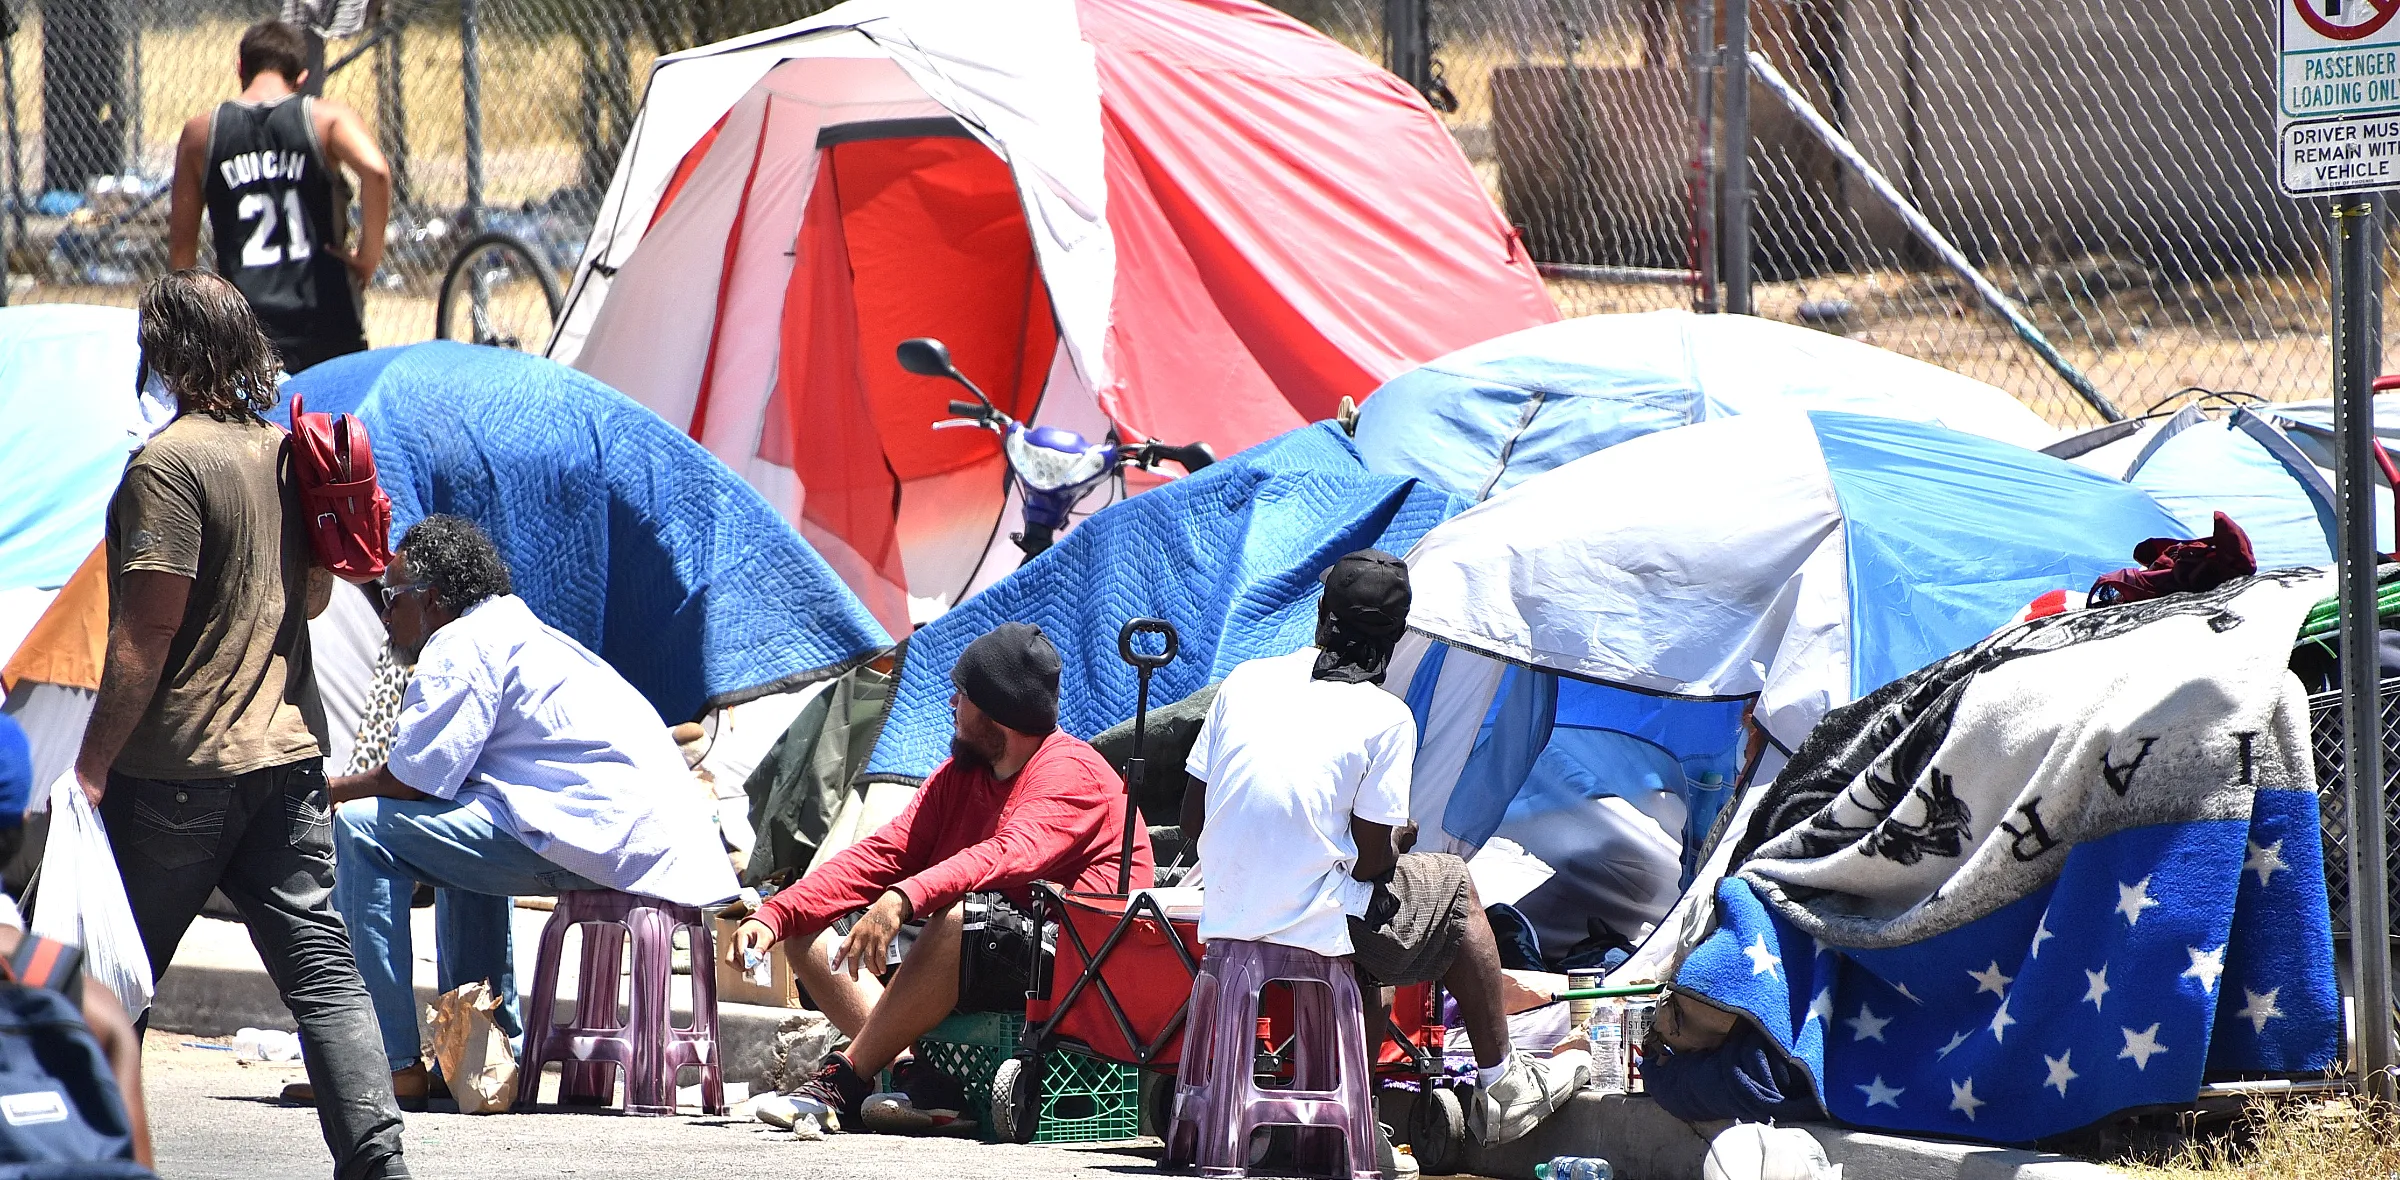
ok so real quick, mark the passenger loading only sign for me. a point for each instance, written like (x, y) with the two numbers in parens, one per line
(2337, 115)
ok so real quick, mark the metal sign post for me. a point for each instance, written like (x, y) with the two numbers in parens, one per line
(1733, 227)
(2357, 358)
(2337, 131)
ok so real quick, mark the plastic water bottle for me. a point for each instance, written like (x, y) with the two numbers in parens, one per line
(1606, 1034)
(1574, 1167)
(266, 1044)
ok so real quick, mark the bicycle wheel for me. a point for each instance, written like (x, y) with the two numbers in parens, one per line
(497, 292)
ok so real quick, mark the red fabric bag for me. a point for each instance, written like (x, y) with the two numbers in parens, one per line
(349, 517)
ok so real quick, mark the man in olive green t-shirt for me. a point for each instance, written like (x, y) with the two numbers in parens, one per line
(203, 750)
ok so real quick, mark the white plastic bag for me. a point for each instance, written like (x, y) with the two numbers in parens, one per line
(82, 900)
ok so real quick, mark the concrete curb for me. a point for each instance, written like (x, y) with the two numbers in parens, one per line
(217, 986)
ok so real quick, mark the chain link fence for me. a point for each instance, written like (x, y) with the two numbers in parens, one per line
(2107, 172)
(495, 114)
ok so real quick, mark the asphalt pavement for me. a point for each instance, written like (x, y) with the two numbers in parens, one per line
(213, 1117)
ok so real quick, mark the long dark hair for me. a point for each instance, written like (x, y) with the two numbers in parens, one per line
(200, 336)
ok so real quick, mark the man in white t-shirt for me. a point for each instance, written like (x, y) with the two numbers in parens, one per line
(1299, 801)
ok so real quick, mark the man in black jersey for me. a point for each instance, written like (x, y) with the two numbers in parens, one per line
(263, 166)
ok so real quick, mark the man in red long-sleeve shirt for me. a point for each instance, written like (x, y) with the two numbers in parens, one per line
(1019, 801)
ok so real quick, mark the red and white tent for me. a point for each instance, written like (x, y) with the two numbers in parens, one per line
(1181, 219)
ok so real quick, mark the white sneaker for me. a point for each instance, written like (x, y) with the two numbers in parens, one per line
(781, 1111)
(1397, 1162)
(893, 1113)
(1529, 1090)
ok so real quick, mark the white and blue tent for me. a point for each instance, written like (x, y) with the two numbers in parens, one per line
(2245, 466)
(1488, 417)
(2269, 467)
(1592, 640)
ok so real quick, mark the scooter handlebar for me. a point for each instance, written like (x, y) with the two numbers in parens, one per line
(1191, 457)
(966, 409)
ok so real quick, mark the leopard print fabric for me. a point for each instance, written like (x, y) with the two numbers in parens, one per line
(381, 717)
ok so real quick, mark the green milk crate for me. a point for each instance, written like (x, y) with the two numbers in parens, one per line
(1087, 1100)
(1084, 1099)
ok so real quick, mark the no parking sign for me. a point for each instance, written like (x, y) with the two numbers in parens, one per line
(2337, 112)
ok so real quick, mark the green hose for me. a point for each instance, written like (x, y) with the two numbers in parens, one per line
(1608, 993)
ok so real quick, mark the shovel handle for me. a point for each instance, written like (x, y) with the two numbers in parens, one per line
(1145, 660)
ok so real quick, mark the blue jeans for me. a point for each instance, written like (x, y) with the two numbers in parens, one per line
(383, 847)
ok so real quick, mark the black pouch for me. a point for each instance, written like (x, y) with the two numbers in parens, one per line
(1003, 955)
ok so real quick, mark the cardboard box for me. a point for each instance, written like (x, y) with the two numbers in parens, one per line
(771, 985)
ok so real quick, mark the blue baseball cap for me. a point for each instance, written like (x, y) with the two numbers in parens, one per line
(16, 772)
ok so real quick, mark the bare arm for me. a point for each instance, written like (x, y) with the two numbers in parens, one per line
(1195, 810)
(320, 590)
(347, 141)
(115, 1034)
(378, 783)
(1379, 847)
(149, 612)
(184, 200)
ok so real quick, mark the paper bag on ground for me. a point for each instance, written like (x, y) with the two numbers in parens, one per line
(472, 1051)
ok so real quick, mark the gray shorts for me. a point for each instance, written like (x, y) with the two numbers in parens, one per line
(1414, 921)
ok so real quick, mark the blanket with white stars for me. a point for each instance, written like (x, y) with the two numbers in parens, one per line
(2066, 872)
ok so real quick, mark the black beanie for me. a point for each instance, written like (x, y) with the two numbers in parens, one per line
(1011, 673)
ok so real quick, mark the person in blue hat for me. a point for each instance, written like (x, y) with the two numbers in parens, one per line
(101, 1011)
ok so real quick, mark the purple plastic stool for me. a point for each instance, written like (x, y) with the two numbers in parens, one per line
(1218, 1102)
(647, 1050)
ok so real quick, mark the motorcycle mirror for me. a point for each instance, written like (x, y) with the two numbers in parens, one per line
(927, 357)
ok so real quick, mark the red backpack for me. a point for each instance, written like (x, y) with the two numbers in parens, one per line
(349, 517)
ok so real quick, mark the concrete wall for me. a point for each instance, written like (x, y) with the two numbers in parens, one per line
(2031, 131)
(1595, 164)
(2043, 130)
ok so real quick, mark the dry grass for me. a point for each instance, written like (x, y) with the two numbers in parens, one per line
(2295, 1141)
(1914, 315)
(392, 317)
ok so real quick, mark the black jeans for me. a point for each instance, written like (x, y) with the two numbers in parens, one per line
(266, 839)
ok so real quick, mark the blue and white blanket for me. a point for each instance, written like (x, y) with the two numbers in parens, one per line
(2066, 872)
(1231, 556)
(618, 529)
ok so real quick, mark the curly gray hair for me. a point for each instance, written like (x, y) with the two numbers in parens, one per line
(457, 559)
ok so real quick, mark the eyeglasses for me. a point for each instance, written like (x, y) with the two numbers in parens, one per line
(387, 595)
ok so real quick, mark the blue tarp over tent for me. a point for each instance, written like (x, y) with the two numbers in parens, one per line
(1231, 556)
(66, 394)
(618, 529)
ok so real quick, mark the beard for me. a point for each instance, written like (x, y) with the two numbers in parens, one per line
(967, 753)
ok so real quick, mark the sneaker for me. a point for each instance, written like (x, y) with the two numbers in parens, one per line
(1530, 1090)
(783, 1112)
(838, 1088)
(894, 1113)
(1397, 1162)
(924, 1101)
(928, 1087)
